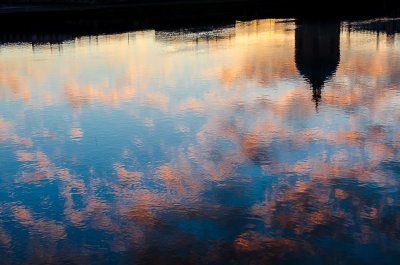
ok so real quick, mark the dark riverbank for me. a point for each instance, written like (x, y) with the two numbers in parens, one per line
(55, 23)
(56, 11)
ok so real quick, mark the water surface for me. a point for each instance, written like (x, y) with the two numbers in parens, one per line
(262, 142)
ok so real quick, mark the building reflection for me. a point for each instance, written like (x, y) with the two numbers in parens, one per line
(388, 26)
(317, 53)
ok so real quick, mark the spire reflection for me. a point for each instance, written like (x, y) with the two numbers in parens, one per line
(317, 53)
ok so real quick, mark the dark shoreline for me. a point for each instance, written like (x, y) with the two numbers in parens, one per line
(57, 23)
(61, 10)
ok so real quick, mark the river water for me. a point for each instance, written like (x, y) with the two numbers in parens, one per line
(261, 142)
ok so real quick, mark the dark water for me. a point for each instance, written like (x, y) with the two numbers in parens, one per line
(264, 142)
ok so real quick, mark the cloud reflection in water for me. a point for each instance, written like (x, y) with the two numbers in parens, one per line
(202, 147)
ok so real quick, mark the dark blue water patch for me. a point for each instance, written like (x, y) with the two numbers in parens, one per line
(391, 166)
(43, 199)
(9, 169)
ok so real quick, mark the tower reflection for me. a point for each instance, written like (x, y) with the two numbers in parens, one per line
(317, 53)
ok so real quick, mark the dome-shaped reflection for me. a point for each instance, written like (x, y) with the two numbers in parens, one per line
(317, 52)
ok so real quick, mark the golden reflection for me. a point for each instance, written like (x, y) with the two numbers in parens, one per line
(76, 133)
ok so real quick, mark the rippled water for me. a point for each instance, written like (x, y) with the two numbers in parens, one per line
(264, 142)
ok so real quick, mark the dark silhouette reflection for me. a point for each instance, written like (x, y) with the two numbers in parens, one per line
(317, 53)
(68, 21)
(390, 26)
